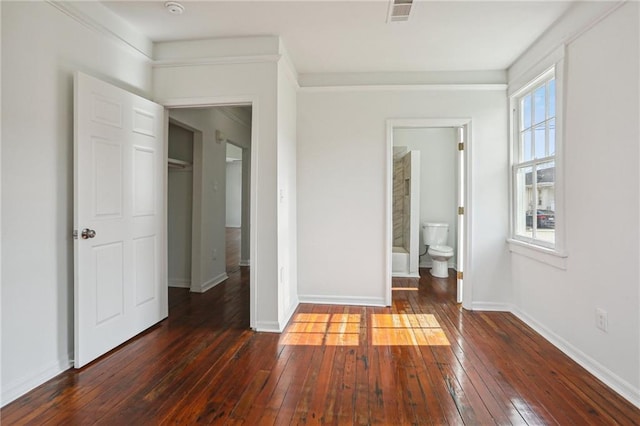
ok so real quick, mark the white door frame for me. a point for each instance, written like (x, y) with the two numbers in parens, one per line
(388, 239)
(253, 228)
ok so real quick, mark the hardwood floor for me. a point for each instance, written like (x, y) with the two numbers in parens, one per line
(422, 361)
(233, 249)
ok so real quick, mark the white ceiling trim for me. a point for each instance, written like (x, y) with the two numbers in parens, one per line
(229, 60)
(498, 87)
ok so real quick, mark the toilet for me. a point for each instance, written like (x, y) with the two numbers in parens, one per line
(435, 237)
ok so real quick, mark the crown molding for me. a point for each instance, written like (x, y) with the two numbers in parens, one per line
(498, 87)
(224, 60)
(143, 46)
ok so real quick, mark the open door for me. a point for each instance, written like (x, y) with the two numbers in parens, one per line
(119, 174)
(460, 134)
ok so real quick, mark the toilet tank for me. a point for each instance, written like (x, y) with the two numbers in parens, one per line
(435, 234)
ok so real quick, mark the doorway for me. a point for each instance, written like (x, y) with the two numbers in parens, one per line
(213, 128)
(456, 212)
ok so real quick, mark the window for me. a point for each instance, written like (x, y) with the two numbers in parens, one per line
(534, 162)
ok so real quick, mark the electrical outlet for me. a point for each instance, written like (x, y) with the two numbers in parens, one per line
(601, 319)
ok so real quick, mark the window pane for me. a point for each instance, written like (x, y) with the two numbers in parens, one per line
(525, 146)
(539, 105)
(540, 140)
(551, 86)
(552, 136)
(546, 211)
(524, 201)
(525, 107)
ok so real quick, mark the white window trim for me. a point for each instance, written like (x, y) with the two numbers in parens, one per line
(556, 256)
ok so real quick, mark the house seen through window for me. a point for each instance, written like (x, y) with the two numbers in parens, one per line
(534, 163)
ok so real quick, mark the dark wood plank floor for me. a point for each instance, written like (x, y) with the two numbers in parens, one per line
(233, 249)
(423, 361)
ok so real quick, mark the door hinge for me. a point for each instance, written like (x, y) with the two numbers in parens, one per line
(460, 210)
(459, 275)
(75, 234)
(460, 146)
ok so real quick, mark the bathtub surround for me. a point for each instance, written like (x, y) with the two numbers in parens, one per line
(398, 196)
(406, 212)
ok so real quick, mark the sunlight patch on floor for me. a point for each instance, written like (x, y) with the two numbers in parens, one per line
(312, 329)
(323, 329)
(407, 330)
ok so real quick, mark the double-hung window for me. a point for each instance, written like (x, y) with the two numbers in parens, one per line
(534, 162)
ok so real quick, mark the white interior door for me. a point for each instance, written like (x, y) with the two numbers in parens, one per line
(119, 271)
(461, 231)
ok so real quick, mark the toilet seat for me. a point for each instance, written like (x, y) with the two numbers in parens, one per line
(440, 251)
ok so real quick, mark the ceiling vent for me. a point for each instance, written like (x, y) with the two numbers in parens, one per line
(399, 10)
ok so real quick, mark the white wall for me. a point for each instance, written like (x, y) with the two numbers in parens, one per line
(41, 47)
(342, 179)
(438, 173)
(287, 192)
(601, 171)
(234, 194)
(184, 79)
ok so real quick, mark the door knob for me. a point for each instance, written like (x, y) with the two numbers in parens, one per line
(88, 233)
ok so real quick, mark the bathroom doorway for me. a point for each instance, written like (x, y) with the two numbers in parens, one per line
(442, 148)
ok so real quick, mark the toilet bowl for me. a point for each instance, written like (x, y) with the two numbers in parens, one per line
(440, 256)
(435, 236)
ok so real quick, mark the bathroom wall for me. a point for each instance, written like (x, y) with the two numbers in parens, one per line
(438, 160)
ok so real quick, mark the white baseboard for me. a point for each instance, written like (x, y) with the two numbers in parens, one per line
(178, 282)
(404, 275)
(208, 285)
(491, 306)
(615, 382)
(233, 226)
(19, 387)
(268, 326)
(342, 300)
(287, 317)
(245, 262)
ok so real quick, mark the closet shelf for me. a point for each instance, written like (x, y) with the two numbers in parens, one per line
(178, 164)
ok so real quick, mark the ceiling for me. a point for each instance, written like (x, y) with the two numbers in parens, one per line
(353, 36)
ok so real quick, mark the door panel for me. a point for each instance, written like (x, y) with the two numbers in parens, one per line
(107, 161)
(118, 193)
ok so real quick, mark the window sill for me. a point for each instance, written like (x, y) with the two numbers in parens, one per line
(545, 255)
